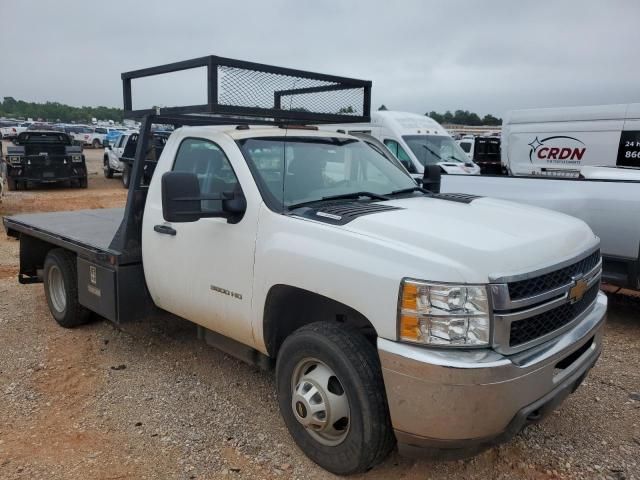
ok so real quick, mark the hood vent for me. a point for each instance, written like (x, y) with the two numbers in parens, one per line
(456, 197)
(342, 213)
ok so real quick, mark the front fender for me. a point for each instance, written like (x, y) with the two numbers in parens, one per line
(361, 272)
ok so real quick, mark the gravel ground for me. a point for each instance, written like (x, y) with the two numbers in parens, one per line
(151, 401)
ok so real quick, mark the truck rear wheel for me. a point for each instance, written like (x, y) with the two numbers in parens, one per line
(12, 184)
(83, 183)
(108, 171)
(125, 176)
(61, 289)
(332, 397)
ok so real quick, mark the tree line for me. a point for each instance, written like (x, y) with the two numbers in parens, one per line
(460, 117)
(59, 112)
(56, 112)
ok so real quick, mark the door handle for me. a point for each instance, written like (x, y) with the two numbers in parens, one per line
(165, 229)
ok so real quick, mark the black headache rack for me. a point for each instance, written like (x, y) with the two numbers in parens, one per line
(238, 93)
(254, 90)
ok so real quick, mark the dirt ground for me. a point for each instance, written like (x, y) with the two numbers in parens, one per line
(151, 401)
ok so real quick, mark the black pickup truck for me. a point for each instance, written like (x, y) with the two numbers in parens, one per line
(43, 156)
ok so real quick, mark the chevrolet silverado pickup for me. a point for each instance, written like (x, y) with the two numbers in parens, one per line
(444, 323)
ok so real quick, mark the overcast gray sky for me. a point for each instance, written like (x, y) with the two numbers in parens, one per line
(487, 57)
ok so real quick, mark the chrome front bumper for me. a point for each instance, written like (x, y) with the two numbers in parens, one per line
(457, 402)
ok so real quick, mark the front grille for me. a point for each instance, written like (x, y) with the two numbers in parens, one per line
(549, 281)
(523, 331)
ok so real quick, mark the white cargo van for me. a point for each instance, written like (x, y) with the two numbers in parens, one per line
(415, 140)
(560, 141)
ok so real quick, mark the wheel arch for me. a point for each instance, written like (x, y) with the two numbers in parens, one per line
(287, 308)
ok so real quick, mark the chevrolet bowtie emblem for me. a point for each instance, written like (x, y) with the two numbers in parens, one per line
(578, 290)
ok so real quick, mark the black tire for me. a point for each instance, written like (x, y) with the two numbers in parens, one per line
(355, 361)
(12, 184)
(83, 183)
(125, 176)
(96, 143)
(71, 314)
(108, 171)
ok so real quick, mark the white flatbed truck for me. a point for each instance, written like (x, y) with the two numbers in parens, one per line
(442, 323)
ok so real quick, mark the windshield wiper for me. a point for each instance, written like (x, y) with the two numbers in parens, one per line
(431, 152)
(354, 195)
(411, 190)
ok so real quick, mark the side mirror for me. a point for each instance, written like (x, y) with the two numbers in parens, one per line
(432, 178)
(182, 200)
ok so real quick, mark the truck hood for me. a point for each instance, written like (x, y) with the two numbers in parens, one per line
(483, 238)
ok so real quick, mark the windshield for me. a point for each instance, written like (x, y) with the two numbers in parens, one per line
(431, 149)
(304, 169)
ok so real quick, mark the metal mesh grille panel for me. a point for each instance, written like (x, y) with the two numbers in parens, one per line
(523, 331)
(549, 281)
(249, 88)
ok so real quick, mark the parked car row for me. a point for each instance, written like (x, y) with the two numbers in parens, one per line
(90, 136)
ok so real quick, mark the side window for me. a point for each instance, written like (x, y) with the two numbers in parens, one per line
(100, 130)
(395, 148)
(210, 164)
(466, 146)
(120, 141)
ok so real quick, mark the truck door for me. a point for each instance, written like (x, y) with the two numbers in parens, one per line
(202, 270)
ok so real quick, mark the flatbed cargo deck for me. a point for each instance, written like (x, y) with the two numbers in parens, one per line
(91, 234)
(86, 232)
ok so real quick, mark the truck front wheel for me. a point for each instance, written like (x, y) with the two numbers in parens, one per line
(12, 184)
(61, 289)
(332, 397)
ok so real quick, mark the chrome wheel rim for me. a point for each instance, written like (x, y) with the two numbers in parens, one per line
(319, 402)
(57, 292)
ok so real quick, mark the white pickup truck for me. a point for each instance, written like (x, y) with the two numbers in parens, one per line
(606, 198)
(443, 322)
(12, 132)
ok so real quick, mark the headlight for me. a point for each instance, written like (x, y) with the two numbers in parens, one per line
(14, 159)
(441, 314)
(76, 158)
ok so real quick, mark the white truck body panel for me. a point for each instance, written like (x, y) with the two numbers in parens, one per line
(266, 249)
(551, 140)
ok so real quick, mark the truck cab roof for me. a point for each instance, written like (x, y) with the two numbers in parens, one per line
(238, 132)
(406, 123)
